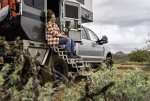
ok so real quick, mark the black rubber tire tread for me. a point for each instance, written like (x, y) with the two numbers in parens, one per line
(60, 65)
(109, 62)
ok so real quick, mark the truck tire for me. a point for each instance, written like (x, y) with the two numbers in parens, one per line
(109, 62)
(59, 69)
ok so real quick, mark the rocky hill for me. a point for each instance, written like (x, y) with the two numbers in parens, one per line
(120, 54)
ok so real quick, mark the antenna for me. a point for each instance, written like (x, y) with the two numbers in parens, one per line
(148, 38)
(100, 29)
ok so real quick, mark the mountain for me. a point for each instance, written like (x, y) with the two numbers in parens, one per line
(120, 53)
(120, 56)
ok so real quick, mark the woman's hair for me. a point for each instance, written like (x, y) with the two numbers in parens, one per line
(49, 13)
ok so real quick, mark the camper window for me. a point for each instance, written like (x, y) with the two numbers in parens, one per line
(71, 11)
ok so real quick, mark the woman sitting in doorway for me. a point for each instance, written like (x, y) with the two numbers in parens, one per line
(55, 37)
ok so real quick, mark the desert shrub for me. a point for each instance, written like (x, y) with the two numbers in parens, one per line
(74, 92)
(139, 56)
(134, 85)
(20, 80)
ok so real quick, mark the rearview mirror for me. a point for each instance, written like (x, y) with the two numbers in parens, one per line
(103, 40)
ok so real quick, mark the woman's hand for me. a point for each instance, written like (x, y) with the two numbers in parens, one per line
(62, 33)
(63, 36)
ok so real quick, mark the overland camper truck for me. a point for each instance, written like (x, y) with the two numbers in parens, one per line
(29, 24)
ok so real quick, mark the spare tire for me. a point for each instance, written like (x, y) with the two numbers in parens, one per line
(109, 62)
(60, 69)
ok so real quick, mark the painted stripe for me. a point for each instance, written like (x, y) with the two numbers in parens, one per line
(30, 15)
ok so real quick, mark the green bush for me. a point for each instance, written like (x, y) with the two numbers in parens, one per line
(139, 56)
(134, 85)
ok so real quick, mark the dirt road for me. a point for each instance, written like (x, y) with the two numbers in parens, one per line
(122, 68)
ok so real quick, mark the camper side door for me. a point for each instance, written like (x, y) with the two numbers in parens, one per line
(31, 19)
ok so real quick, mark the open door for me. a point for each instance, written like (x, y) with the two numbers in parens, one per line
(55, 6)
(32, 19)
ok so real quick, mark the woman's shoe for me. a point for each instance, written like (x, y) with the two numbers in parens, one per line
(76, 56)
(70, 55)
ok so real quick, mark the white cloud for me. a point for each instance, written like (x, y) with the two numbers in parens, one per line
(122, 12)
(125, 22)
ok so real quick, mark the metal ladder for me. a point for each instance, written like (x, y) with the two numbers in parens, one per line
(76, 63)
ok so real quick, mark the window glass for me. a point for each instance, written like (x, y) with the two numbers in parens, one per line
(92, 35)
(84, 35)
(71, 11)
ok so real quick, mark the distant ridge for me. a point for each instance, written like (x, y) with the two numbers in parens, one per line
(120, 56)
(120, 53)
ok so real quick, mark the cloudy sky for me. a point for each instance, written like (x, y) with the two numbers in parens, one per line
(125, 22)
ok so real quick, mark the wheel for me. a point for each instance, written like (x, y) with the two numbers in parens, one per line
(109, 62)
(59, 69)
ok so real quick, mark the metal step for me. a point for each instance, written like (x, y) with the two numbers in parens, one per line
(58, 48)
(85, 73)
(78, 66)
(74, 62)
(61, 53)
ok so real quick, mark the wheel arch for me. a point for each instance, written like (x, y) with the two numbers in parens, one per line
(109, 54)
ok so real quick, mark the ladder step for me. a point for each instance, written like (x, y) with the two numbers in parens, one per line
(61, 53)
(85, 73)
(77, 63)
(58, 48)
(75, 59)
(72, 60)
(77, 66)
